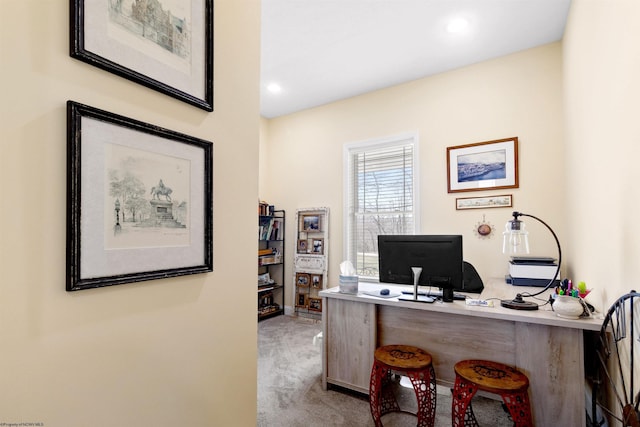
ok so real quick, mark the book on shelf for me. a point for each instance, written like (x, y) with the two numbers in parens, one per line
(276, 229)
(265, 209)
(271, 229)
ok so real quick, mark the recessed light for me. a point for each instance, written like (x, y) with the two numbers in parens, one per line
(274, 87)
(457, 25)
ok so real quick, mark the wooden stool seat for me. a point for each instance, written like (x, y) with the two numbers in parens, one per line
(506, 381)
(416, 364)
(403, 357)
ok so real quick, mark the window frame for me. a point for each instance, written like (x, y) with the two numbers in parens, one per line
(351, 148)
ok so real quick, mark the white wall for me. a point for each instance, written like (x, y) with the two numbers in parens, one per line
(179, 351)
(602, 88)
(516, 95)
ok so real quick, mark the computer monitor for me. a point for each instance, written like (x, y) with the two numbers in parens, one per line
(439, 256)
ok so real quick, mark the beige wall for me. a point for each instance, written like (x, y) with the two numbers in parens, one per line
(517, 95)
(180, 351)
(602, 88)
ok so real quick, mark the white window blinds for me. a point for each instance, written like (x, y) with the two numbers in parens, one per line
(380, 198)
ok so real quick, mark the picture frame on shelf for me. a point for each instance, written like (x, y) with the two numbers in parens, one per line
(311, 223)
(301, 300)
(135, 43)
(501, 201)
(315, 304)
(302, 246)
(317, 246)
(482, 166)
(303, 280)
(316, 281)
(139, 201)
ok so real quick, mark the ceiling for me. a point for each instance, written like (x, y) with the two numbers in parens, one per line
(320, 51)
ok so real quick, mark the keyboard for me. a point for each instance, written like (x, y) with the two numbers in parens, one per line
(434, 293)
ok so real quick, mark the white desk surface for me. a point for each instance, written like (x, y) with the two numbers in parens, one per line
(495, 289)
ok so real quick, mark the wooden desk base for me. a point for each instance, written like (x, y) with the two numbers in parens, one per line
(551, 356)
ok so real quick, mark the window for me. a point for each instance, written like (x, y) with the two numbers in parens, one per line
(380, 197)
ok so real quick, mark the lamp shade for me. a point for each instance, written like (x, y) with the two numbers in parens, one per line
(515, 238)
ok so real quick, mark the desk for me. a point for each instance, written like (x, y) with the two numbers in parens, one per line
(548, 349)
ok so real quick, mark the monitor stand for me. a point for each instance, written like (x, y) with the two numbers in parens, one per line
(415, 297)
(416, 278)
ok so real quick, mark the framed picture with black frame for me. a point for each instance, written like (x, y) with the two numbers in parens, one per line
(139, 200)
(165, 45)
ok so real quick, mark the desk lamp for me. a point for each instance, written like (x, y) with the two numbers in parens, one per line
(515, 242)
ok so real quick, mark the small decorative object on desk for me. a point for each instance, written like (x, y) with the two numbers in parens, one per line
(568, 300)
(582, 290)
(348, 280)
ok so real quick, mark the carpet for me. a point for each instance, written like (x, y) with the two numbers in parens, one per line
(290, 386)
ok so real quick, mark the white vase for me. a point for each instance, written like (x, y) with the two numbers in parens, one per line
(567, 307)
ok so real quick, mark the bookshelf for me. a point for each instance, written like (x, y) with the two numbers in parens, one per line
(271, 223)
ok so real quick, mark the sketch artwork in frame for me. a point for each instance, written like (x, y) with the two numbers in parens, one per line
(501, 201)
(139, 201)
(165, 45)
(483, 166)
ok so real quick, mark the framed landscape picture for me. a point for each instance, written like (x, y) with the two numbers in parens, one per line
(165, 45)
(483, 166)
(139, 201)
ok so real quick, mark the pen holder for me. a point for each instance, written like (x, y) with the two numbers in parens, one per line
(567, 307)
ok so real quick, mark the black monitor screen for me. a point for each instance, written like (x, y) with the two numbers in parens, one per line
(439, 256)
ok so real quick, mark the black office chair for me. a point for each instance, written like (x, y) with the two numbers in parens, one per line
(616, 385)
(471, 279)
